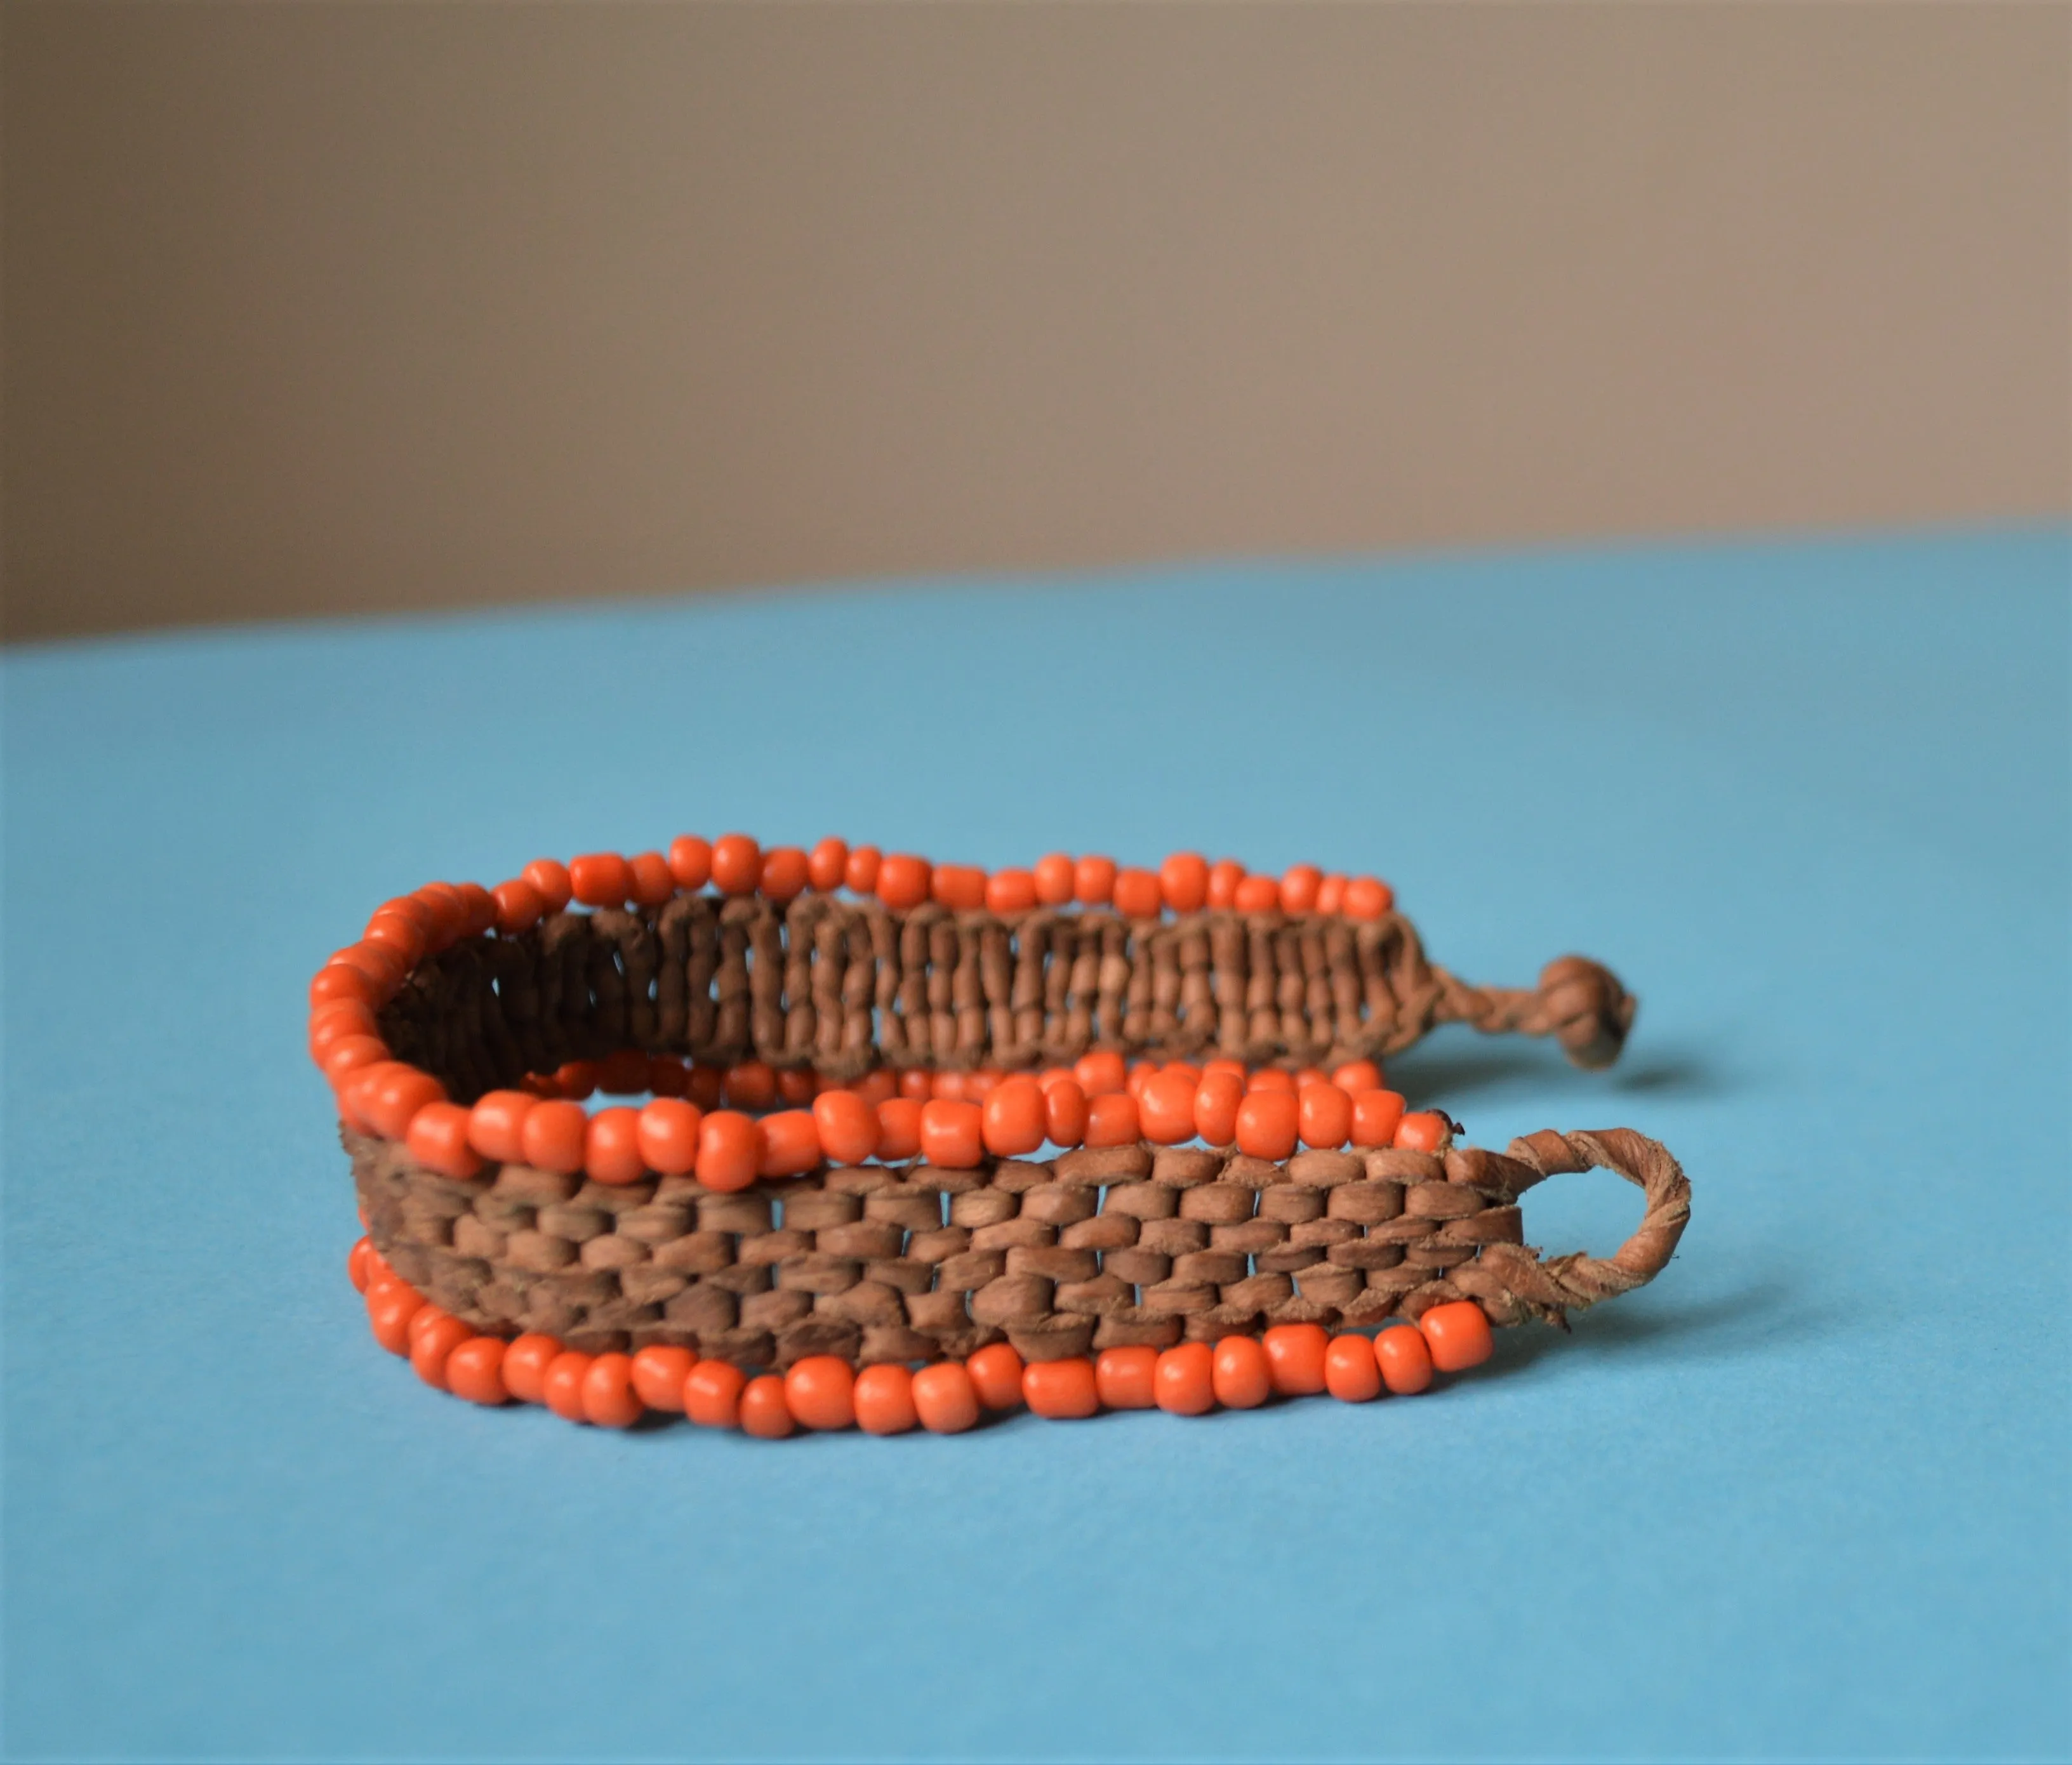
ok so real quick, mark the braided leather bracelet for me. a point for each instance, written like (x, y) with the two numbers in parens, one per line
(856, 1066)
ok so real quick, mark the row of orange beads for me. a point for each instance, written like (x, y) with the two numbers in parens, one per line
(823, 1392)
(734, 864)
(1096, 1103)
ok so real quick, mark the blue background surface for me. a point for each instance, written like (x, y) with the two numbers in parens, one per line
(1805, 1496)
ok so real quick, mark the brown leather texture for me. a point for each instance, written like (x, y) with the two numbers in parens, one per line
(843, 987)
(1095, 1249)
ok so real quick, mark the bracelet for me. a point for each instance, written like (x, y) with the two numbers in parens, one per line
(932, 1029)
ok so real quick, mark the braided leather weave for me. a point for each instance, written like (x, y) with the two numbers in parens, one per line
(1097, 1248)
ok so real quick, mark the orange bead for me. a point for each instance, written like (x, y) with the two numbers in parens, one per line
(575, 1080)
(1424, 1130)
(898, 1130)
(1299, 883)
(1183, 880)
(1309, 1075)
(861, 877)
(690, 861)
(1113, 1120)
(884, 1400)
(712, 1394)
(475, 1370)
(430, 1345)
(449, 915)
(667, 1136)
(1267, 1125)
(791, 1143)
(705, 1086)
(848, 1126)
(1216, 1100)
(1368, 898)
(764, 1413)
(1257, 895)
(1331, 893)
(1270, 1078)
(1355, 1077)
(1137, 894)
(406, 935)
(1010, 891)
(1065, 1113)
(391, 1097)
(944, 1398)
(1061, 1390)
(1405, 1360)
(1165, 1107)
(877, 1086)
(1093, 881)
(982, 1084)
(1376, 1116)
(425, 1319)
(1222, 1065)
(821, 1390)
(525, 1364)
(668, 1076)
(730, 1151)
(1225, 874)
(959, 887)
(1184, 1382)
(1350, 1373)
(1457, 1334)
(496, 1125)
(658, 1373)
(1056, 876)
(349, 1054)
(1187, 1070)
(797, 1085)
(390, 1307)
(561, 1390)
(1014, 1119)
(751, 1085)
(786, 872)
(827, 865)
(438, 1139)
(555, 1135)
(903, 880)
(420, 911)
(996, 1376)
(377, 1267)
(736, 864)
(550, 876)
(601, 879)
(379, 963)
(337, 1019)
(948, 1086)
(356, 1264)
(652, 883)
(1324, 1116)
(520, 906)
(1239, 1374)
(342, 980)
(952, 1134)
(1126, 1378)
(1139, 1072)
(609, 1399)
(1295, 1358)
(611, 1147)
(1100, 1073)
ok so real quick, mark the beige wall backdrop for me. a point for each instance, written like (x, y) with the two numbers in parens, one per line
(320, 308)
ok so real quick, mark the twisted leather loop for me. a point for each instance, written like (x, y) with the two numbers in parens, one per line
(1513, 1283)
